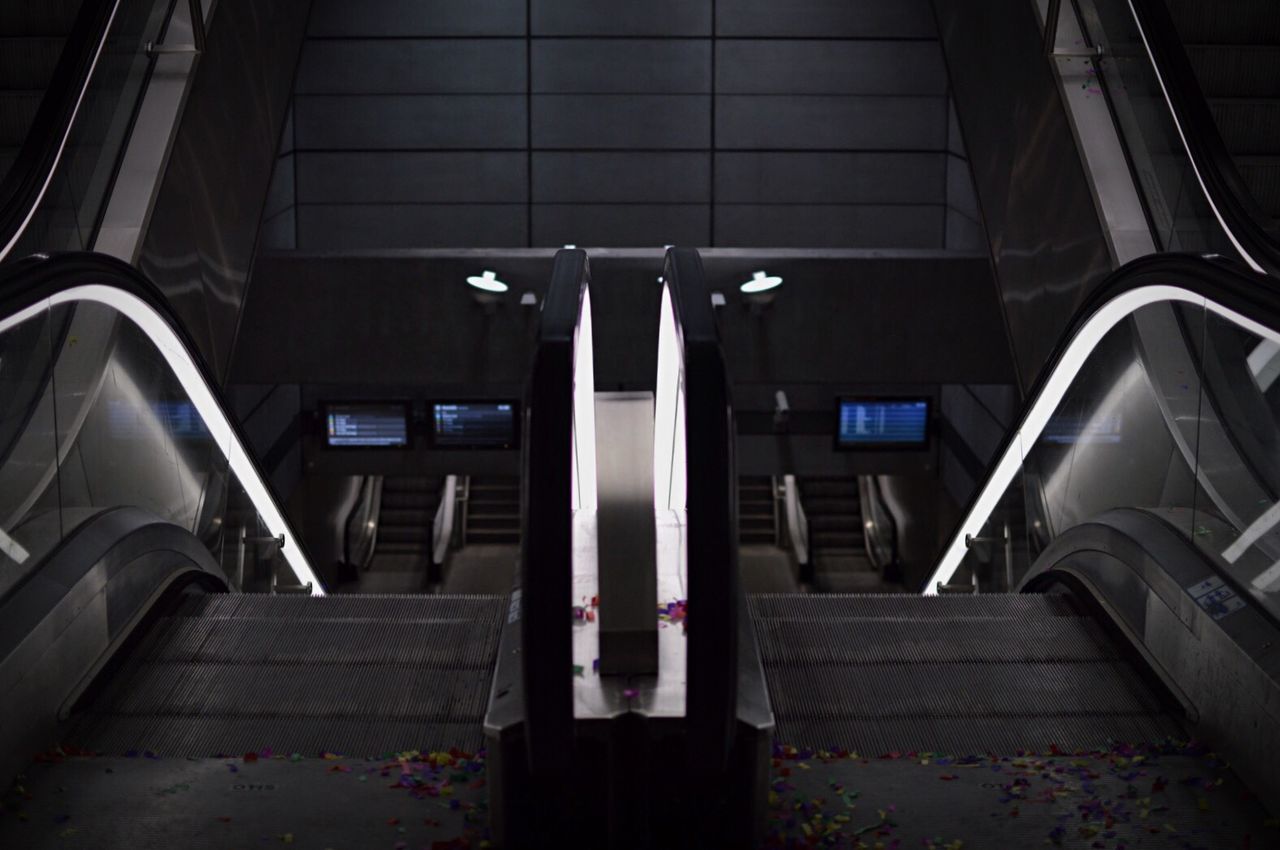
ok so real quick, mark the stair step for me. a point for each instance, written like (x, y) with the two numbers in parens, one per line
(406, 516)
(492, 535)
(403, 548)
(43, 18)
(834, 522)
(832, 505)
(1236, 22)
(1248, 125)
(28, 63)
(402, 534)
(1262, 175)
(819, 488)
(17, 111)
(1237, 70)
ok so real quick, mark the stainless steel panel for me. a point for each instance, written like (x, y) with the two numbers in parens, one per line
(626, 557)
(1046, 240)
(204, 223)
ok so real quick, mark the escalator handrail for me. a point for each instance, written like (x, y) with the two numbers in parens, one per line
(711, 516)
(1225, 190)
(32, 172)
(29, 284)
(1219, 284)
(546, 550)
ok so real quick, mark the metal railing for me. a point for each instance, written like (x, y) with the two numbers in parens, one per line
(797, 522)
(452, 493)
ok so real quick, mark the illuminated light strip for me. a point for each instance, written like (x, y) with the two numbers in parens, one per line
(1042, 409)
(57, 159)
(1256, 529)
(188, 374)
(669, 488)
(584, 411)
(13, 548)
(1264, 580)
(1264, 363)
(1155, 66)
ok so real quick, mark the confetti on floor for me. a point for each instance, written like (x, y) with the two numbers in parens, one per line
(1173, 796)
(434, 800)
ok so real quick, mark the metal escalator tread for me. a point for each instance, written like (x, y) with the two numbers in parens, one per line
(357, 675)
(962, 675)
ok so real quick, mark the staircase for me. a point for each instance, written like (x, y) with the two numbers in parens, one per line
(493, 511)
(1234, 48)
(836, 544)
(835, 515)
(408, 510)
(757, 517)
(32, 35)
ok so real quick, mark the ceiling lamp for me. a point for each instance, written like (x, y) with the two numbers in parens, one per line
(760, 282)
(487, 282)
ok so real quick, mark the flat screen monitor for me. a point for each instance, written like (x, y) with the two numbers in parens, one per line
(367, 425)
(474, 425)
(887, 423)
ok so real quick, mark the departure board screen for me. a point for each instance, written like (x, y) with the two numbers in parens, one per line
(883, 423)
(474, 425)
(367, 425)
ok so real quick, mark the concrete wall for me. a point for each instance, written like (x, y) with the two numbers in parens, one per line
(906, 323)
(795, 123)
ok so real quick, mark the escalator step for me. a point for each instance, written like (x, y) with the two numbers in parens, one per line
(357, 675)
(1249, 126)
(48, 17)
(993, 673)
(1262, 175)
(1236, 70)
(1226, 21)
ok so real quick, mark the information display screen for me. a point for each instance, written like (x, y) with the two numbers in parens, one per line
(368, 425)
(883, 423)
(474, 425)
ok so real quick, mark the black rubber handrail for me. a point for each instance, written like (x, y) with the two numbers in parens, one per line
(711, 510)
(28, 281)
(546, 524)
(1226, 189)
(24, 186)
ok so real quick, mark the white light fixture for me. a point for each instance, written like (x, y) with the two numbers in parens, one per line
(761, 282)
(487, 282)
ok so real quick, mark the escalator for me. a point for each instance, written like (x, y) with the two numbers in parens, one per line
(1060, 710)
(1236, 61)
(32, 39)
(1192, 91)
(159, 614)
(72, 77)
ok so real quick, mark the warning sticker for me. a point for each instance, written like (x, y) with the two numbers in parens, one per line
(1215, 597)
